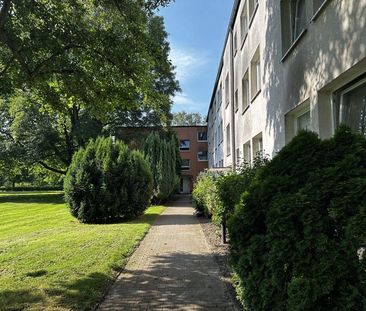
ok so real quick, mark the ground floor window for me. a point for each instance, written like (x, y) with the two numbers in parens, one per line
(297, 119)
(185, 165)
(350, 106)
(202, 156)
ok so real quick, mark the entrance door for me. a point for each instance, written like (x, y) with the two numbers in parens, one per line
(185, 184)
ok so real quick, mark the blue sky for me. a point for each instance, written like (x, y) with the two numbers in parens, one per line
(197, 30)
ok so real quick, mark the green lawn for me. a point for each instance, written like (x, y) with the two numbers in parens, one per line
(48, 260)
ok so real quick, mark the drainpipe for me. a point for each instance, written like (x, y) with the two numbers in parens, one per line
(233, 147)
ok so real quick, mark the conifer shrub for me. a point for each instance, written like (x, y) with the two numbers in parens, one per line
(298, 235)
(230, 186)
(162, 153)
(107, 182)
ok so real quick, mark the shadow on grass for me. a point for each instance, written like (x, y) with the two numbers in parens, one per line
(83, 294)
(18, 299)
(47, 198)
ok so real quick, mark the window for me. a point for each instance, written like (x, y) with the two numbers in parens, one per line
(293, 21)
(258, 146)
(221, 134)
(228, 143)
(244, 22)
(227, 90)
(350, 106)
(236, 100)
(202, 136)
(216, 139)
(247, 152)
(237, 155)
(245, 91)
(220, 93)
(184, 144)
(185, 165)
(303, 121)
(221, 163)
(297, 119)
(255, 66)
(235, 43)
(252, 8)
(202, 156)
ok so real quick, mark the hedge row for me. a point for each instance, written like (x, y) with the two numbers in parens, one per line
(107, 182)
(297, 224)
(216, 194)
(32, 188)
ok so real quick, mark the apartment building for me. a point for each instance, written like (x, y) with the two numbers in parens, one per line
(287, 65)
(194, 153)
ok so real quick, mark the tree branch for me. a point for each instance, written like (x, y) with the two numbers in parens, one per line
(52, 169)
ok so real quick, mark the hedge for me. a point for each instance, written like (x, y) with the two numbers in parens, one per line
(107, 182)
(298, 235)
(205, 196)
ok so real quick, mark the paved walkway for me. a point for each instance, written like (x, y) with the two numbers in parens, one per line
(173, 269)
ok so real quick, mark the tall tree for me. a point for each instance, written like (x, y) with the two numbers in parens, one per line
(185, 119)
(162, 152)
(71, 70)
(93, 53)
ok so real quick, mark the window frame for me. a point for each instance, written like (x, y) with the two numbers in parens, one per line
(236, 100)
(244, 30)
(198, 137)
(227, 90)
(228, 140)
(245, 95)
(287, 32)
(255, 75)
(198, 156)
(252, 13)
(247, 145)
(186, 149)
(340, 93)
(186, 168)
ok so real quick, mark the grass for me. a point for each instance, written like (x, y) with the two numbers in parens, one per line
(48, 260)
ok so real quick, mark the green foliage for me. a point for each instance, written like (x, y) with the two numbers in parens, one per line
(205, 196)
(76, 69)
(162, 152)
(186, 119)
(107, 182)
(298, 233)
(215, 195)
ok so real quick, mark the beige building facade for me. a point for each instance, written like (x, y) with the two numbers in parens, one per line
(287, 65)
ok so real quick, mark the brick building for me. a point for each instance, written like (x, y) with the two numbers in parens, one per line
(193, 151)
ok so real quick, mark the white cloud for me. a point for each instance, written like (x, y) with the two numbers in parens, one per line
(183, 102)
(187, 63)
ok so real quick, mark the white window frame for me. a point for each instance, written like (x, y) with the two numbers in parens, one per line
(227, 90)
(198, 137)
(245, 91)
(255, 74)
(244, 22)
(198, 156)
(228, 140)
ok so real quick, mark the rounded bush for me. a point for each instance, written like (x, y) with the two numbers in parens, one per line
(298, 236)
(107, 182)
